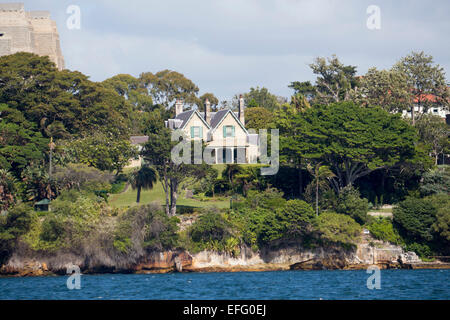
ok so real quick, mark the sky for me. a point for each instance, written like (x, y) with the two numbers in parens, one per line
(228, 46)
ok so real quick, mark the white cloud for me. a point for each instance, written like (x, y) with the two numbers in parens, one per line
(227, 46)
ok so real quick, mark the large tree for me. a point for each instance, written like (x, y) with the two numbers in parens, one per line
(352, 140)
(132, 89)
(21, 142)
(136, 96)
(387, 89)
(32, 85)
(173, 177)
(212, 100)
(426, 81)
(333, 84)
(167, 86)
(288, 119)
(258, 118)
(434, 132)
(261, 97)
(101, 151)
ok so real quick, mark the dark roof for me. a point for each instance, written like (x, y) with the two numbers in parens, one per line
(138, 139)
(218, 116)
(184, 116)
(42, 202)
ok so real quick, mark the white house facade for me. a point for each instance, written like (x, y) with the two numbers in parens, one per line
(223, 132)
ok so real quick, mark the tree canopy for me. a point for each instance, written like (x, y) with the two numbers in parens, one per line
(166, 86)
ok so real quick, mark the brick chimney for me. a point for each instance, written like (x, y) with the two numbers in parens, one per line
(241, 110)
(207, 111)
(178, 107)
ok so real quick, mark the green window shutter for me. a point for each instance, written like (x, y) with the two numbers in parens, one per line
(224, 131)
(201, 132)
(192, 132)
(232, 131)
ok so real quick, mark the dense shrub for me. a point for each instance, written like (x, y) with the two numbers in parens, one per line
(81, 176)
(338, 228)
(254, 228)
(212, 231)
(441, 226)
(12, 225)
(350, 203)
(296, 218)
(146, 227)
(209, 227)
(162, 231)
(423, 250)
(435, 181)
(73, 219)
(383, 229)
(293, 219)
(268, 199)
(52, 229)
(415, 218)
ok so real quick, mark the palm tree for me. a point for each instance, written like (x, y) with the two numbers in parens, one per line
(38, 184)
(300, 102)
(321, 177)
(143, 178)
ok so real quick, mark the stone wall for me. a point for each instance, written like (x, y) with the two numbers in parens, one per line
(5, 46)
(32, 31)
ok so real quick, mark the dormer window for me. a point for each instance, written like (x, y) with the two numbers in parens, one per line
(228, 131)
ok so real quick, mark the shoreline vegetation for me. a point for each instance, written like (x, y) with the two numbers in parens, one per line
(203, 262)
(358, 183)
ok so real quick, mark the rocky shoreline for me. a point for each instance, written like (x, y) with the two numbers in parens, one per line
(291, 257)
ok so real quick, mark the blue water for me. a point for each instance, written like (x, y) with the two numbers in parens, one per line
(395, 284)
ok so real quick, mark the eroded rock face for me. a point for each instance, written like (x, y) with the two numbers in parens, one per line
(284, 258)
(25, 263)
(30, 268)
(291, 256)
(409, 257)
(167, 261)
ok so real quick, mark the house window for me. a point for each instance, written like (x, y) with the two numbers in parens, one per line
(228, 131)
(196, 132)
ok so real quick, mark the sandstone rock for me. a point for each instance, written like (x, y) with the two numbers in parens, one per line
(409, 257)
(165, 261)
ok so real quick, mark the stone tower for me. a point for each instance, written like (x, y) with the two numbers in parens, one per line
(33, 32)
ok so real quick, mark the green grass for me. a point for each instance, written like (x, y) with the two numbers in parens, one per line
(128, 198)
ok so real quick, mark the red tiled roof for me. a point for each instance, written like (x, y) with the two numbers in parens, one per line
(425, 97)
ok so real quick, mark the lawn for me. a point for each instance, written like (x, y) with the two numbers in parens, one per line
(128, 198)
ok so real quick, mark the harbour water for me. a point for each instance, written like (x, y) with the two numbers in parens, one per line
(311, 285)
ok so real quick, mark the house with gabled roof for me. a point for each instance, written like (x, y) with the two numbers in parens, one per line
(223, 132)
